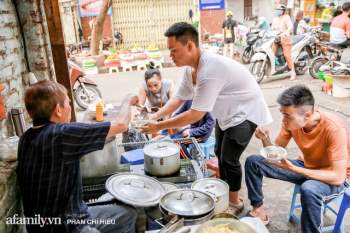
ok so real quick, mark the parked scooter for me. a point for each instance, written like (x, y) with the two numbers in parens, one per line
(267, 65)
(85, 90)
(330, 53)
(336, 68)
(253, 36)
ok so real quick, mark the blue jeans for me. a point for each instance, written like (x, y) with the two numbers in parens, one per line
(313, 193)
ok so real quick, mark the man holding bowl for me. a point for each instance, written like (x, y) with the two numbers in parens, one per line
(321, 172)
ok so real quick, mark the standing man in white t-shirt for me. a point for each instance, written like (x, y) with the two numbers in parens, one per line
(223, 87)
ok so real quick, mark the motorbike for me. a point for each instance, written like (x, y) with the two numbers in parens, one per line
(85, 90)
(329, 56)
(253, 36)
(265, 64)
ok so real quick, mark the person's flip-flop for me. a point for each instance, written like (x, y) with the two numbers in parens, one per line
(265, 222)
(235, 209)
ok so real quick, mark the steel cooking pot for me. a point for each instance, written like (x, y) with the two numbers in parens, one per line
(162, 158)
(135, 189)
(188, 204)
(217, 188)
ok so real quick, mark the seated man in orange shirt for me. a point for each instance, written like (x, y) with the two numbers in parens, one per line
(321, 172)
(340, 27)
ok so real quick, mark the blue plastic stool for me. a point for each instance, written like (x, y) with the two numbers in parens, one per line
(208, 147)
(345, 204)
(295, 205)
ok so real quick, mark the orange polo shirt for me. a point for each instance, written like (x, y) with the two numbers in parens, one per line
(329, 141)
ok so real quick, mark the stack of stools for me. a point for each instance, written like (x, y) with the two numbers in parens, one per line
(345, 204)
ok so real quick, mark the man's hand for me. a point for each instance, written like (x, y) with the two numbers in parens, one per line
(261, 133)
(284, 164)
(134, 100)
(152, 116)
(186, 133)
(151, 128)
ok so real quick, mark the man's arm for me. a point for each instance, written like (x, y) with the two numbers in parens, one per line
(282, 139)
(168, 108)
(333, 175)
(122, 121)
(180, 120)
(347, 30)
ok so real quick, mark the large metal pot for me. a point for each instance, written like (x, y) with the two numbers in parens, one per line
(217, 188)
(162, 158)
(135, 189)
(193, 206)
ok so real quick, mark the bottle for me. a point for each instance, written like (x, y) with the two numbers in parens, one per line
(99, 111)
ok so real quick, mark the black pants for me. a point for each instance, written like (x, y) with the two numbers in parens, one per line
(229, 146)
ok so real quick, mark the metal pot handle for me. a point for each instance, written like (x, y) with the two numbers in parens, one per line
(216, 199)
(181, 195)
(136, 184)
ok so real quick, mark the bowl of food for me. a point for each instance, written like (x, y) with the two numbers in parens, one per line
(273, 153)
(225, 225)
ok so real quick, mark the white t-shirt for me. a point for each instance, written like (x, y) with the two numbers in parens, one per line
(226, 89)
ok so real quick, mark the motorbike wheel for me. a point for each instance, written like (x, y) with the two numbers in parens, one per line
(315, 66)
(302, 70)
(81, 97)
(258, 71)
(247, 55)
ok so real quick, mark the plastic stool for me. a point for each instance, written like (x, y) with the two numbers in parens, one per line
(113, 69)
(208, 147)
(127, 67)
(294, 205)
(141, 67)
(345, 204)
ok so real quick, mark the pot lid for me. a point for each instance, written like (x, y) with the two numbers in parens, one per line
(187, 202)
(169, 186)
(212, 186)
(135, 189)
(161, 149)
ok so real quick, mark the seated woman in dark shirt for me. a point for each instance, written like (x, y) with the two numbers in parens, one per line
(201, 130)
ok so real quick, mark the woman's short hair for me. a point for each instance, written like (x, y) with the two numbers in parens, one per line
(41, 99)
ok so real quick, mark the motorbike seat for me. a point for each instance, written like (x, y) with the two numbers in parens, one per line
(297, 38)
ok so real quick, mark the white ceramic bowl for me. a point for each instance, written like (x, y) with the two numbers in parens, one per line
(273, 153)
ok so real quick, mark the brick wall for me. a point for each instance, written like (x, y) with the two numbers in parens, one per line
(211, 21)
(12, 62)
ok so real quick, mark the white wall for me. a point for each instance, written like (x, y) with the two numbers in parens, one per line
(260, 8)
(264, 8)
(237, 8)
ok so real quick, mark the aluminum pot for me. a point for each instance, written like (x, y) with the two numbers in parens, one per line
(162, 158)
(218, 189)
(192, 205)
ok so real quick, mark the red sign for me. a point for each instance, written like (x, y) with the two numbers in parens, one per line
(91, 7)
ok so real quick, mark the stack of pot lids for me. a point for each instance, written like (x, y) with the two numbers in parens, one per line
(212, 186)
(169, 186)
(187, 202)
(161, 149)
(135, 189)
